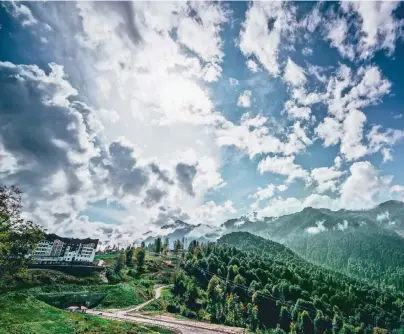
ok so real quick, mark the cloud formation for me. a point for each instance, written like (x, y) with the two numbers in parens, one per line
(115, 139)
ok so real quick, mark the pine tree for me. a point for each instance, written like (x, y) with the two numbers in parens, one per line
(120, 263)
(284, 319)
(158, 245)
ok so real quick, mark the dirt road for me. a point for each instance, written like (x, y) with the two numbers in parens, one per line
(179, 325)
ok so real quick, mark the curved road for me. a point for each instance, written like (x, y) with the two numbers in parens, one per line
(178, 325)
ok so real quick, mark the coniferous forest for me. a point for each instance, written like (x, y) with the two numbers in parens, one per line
(245, 280)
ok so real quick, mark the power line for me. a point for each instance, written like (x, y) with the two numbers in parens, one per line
(245, 289)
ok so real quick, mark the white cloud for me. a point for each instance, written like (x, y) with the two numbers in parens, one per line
(211, 213)
(337, 34)
(279, 206)
(397, 190)
(252, 66)
(363, 186)
(347, 125)
(282, 187)
(379, 26)
(294, 74)
(382, 142)
(383, 216)
(233, 82)
(283, 166)
(351, 141)
(363, 189)
(318, 228)
(202, 32)
(307, 51)
(326, 178)
(123, 74)
(21, 12)
(347, 91)
(244, 100)
(251, 135)
(262, 32)
(330, 131)
(343, 226)
(264, 193)
(337, 162)
(297, 112)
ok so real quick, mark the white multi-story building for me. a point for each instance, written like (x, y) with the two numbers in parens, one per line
(55, 249)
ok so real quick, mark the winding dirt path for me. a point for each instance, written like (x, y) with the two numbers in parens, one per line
(178, 325)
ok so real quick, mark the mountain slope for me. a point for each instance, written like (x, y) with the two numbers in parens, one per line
(246, 280)
(362, 244)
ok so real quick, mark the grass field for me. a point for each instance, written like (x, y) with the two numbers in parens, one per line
(30, 308)
(105, 256)
(22, 313)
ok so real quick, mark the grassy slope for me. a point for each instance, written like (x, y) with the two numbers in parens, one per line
(21, 313)
(161, 303)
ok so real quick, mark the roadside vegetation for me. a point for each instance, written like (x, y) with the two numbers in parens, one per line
(26, 314)
(247, 281)
(31, 300)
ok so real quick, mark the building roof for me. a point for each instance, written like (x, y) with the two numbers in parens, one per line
(52, 237)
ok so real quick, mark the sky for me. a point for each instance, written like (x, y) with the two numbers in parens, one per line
(118, 118)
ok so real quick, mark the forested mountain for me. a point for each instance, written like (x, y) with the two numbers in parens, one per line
(362, 244)
(179, 230)
(246, 280)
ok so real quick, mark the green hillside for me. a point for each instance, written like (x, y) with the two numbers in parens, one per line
(22, 313)
(245, 280)
(363, 244)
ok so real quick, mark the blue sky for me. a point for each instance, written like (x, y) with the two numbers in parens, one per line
(132, 115)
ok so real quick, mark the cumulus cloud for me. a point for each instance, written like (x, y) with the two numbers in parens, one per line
(379, 26)
(361, 188)
(348, 90)
(278, 206)
(297, 112)
(283, 166)
(148, 131)
(262, 32)
(329, 130)
(265, 193)
(337, 35)
(52, 163)
(326, 178)
(201, 33)
(252, 65)
(212, 213)
(294, 74)
(379, 141)
(244, 100)
(253, 135)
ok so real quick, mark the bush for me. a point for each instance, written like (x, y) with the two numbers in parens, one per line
(188, 313)
(132, 273)
(171, 308)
